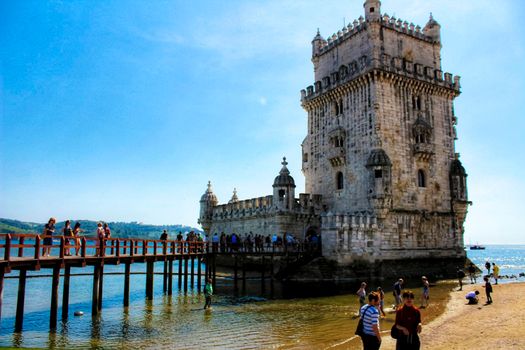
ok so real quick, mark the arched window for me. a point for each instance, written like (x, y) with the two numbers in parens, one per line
(339, 180)
(421, 181)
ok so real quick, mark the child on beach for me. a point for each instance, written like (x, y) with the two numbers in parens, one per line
(426, 293)
(381, 301)
(208, 292)
(488, 289)
(472, 297)
(361, 293)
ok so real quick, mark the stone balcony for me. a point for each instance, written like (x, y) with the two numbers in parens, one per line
(423, 150)
(337, 156)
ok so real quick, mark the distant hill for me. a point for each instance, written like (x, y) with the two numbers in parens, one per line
(118, 229)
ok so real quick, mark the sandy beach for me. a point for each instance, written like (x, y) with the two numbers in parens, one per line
(500, 325)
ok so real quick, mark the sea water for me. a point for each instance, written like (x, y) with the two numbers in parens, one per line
(250, 319)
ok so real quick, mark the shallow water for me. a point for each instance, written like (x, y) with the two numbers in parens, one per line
(247, 321)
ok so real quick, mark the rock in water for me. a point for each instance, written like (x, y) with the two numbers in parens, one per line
(79, 313)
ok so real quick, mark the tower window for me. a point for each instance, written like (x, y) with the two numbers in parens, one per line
(372, 9)
(281, 193)
(378, 173)
(421, 181)
(339, 180)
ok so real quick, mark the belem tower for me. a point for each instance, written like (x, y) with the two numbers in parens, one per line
(383, 179)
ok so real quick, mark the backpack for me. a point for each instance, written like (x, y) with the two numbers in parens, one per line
(360, 330)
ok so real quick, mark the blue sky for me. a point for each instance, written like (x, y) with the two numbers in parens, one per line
(123, 110)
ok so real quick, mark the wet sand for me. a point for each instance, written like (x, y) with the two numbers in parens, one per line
(500, 325)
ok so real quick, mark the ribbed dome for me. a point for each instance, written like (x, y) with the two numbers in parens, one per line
(378, 157)
(209, 196)
(284, 179)
(456, 168)
(432, 22)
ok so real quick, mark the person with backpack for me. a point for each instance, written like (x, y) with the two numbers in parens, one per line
(369, 318)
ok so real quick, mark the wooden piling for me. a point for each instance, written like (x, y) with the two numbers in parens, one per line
(192, 270)
(127, 270)
(54, 298)
(94, 299)
(186, 274)
(20, 301)
(180, 272)
(199, 273)
(65, 292)
(170, 277)
(149, 280)
(262, 275)
(100, 287)
(235, 275)
(165, 277)
(2, 273)
(243, 274)
(214, 266)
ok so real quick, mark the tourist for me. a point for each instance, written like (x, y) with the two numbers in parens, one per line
(67, 231)
(107, 231)
(372, 337)
(398, 286)
(268, 242)
(408, 321)
(472, 297)
(488, 289)
(361, 293)
(495, 272)
(49, 230)
(472, 273)
(487, 266)
(208, 292)
(381, 301)
(460, 275)
(164, 235)
(100, 238)
(426, 293)
(215, 242)
(76, 234)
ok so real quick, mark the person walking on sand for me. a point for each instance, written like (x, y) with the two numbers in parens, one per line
(208, 292)
(381, 294)
(361, 293)
(371, 337)
(488, 289)
(408, 321)
(495, 272)
(487, 266)
(426, 293)
(472, 273)
(460, 275)
(398, 286)
(49, 230)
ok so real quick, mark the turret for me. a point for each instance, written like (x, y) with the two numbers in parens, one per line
(372, 10)
(433, 29)
(284, 189)
(234, 198)
(207, 202)
(458, 180)
(317, 43)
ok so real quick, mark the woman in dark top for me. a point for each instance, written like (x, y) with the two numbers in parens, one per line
(49, 230)
(68, 234)
(408, 321)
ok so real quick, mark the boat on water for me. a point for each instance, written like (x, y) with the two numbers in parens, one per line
(477, 247)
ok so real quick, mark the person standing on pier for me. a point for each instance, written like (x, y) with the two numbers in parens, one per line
(164, 235)
(68, 234)
(49, 230)
(107, 231)
(100, 237)
(76, 234)
(208, 292)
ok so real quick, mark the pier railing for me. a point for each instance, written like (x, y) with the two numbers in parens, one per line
(16, 247)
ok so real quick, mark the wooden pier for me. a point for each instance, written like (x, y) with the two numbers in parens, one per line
(22, 252)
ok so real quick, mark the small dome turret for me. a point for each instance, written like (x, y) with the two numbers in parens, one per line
(209, 196)
(432, 29)
(457, 169)
(284, 179)
(317, 44)
(378, 157)
(234, 197)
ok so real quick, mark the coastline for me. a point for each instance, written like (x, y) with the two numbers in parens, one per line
(461, 326)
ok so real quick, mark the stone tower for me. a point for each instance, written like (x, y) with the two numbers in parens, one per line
(380, 144)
